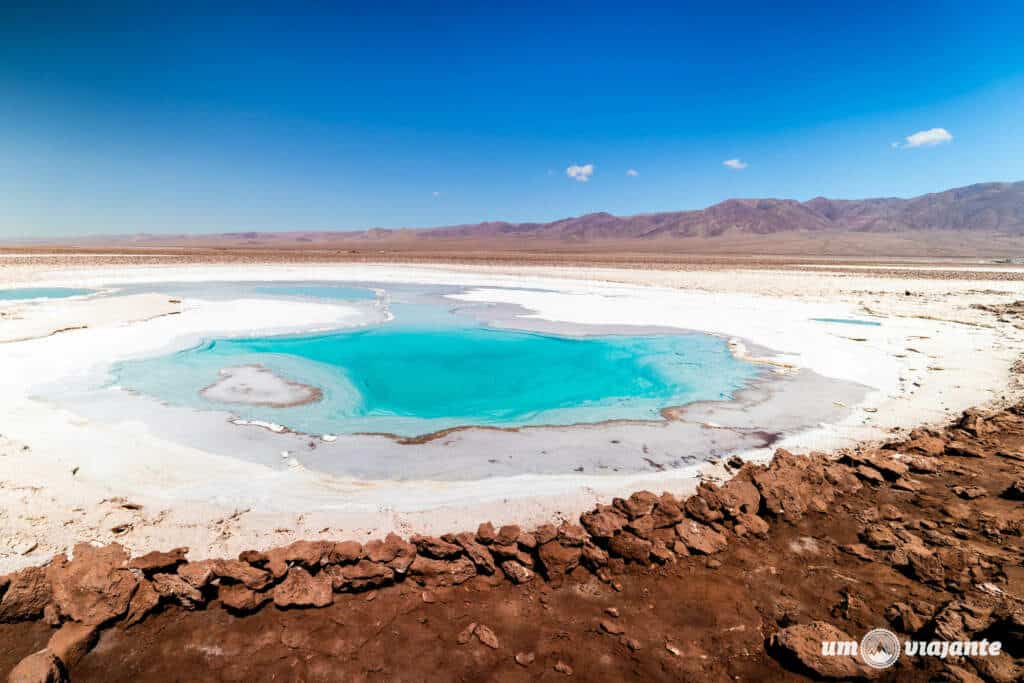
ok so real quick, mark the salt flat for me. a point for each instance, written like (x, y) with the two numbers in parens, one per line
(64, 477)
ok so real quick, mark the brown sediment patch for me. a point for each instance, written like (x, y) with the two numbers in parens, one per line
(919, 536)
(669, 414)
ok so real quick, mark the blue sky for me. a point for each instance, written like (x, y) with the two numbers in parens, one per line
(268, 117)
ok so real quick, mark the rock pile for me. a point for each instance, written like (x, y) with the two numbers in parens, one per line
(97, 587)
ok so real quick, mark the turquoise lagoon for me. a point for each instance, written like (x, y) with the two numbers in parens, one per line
(430, 369)
(27, 293)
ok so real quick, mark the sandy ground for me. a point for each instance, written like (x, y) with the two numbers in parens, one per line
(64, 478)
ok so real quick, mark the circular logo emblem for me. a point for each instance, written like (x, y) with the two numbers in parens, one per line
(880, 648)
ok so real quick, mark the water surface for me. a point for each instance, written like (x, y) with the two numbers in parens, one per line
(26, 293)
(430, 369)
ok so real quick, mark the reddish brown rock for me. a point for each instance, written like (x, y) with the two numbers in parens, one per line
(301, 589)
(40, 667)
(435, 547)
(485, 533)
(969, 492)
(641, 526)
(630, 547)
(705, 505)
(252, 557)
(480, 556)
(869, 474)
(172, 587)
(964, 449)
(926, 442)
(660, 552)
(603, 523)
(526, 540)
(878, 536)
(197, 574)
(698, 508)
(637, 505)
(799, 647)
(752, 525)
(594, 556)
(545, 533)
(95, 587)
(72, 642)
(508, 534)
(345, 552)
(360, 576)
(700, 538)
(739, 495)
(143, 602)
(242, 572)
(787, 486)
(237, 597)
(889, 467)
(28, 592)
(276, 563)
(843, 478)
(307, 553)
(159, 561)
(392, 551)
(516, 572)
(430, 572)
(921, 464)
(486, 636)
(1015, 491)
(572, 534)
(511, 552)
(525, 658)
(667, 512)
(558, 560)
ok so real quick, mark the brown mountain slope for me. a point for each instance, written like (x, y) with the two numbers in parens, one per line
(985, 219)
(988, 207)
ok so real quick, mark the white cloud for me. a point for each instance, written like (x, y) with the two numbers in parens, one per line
(580, 173)
(927, 138)
(632, 173)
(735, 164)
(436, 194)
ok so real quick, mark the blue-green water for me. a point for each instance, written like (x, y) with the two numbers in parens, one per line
(313, 291)
(25, 293)
(430, 370)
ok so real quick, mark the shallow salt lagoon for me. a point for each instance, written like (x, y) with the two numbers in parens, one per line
(29, 293)
(431, 368)
(413, 381)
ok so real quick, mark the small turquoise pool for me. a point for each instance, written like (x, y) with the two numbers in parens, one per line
(317, 291)
(430, 369)
(847, 321)
(27, 293)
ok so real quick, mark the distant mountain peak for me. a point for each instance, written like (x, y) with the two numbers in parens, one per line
(993, 207)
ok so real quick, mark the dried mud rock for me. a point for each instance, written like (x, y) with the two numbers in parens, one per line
(96, 586)
(799, 647)
(41, 667)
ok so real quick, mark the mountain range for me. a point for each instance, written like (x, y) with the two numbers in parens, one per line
(981, 218)
(985, 207)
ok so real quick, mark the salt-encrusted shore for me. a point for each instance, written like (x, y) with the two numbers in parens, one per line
(65, 478)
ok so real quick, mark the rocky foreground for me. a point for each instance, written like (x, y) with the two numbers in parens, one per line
(742, 581)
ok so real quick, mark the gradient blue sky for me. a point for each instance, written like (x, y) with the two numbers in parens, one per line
(267, 117)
